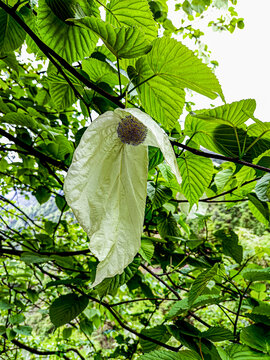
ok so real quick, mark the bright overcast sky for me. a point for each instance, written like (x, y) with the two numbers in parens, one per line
(244, 56)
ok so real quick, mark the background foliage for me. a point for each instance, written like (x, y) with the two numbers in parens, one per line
(199, 286)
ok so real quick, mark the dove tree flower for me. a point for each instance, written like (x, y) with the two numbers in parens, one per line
(106, 184)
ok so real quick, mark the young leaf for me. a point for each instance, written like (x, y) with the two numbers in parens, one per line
(66, 308)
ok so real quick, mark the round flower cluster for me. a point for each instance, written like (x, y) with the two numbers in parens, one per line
(131, 131)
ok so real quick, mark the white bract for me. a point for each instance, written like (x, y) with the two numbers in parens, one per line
(106, 184)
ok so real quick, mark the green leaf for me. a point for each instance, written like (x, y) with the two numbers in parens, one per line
(70, 42)
(167, 225)
(42, 194)
(100, 71)
(111, 285)
(262, 188)
(217, 333)
(123, 42)
(2, 329)
(5, 305)
(257, 336)
(66, 308)
(147, 249)
(222, 178)
(155, 157)
(158, 195)
(132, 13)
(221, 129)
(256, 274)
(23, 330)
(230, 244)
(181, 306)
(241, 352)
(11, 35)
(61, 203)
(67, 332)
(196, 175)
(259, 209)
(21, 119)
(32, 258)
(164, 72)
(200, 283)
(169, 355)
(159, 333)
(61, 92)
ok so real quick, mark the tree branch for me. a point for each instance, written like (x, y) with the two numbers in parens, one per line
(219, 157)
(49, 52)
(33, 151)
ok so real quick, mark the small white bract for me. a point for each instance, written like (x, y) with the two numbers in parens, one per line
(106, 184)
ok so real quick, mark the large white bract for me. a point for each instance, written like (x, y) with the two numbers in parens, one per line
(106, 184)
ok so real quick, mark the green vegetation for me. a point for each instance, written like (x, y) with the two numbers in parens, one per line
(198, 288)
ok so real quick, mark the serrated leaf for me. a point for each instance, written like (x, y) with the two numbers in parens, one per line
(241, 352)
(259, 209)
(159, 333)
(196, 175)
(100, 71)
(14, 118)
(257, 336)
(221, 129)
(200, 283)
(169, 355)
(155, 157)
(70, 42)
(181, 306)
(262, 188)
(256, 274)
(12, 34)
(167, 225)
(61, 92)
(217, 333)
(66, 308)
(230, 244)
(110, 286)
(158, 195)
(123, 42)
(166, 71)
(33, 258)
(132, 13)
(147, 249)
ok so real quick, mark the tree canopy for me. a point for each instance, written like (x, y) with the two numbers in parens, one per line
(190, 197)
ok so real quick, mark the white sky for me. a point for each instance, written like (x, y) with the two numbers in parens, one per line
(244, 56)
